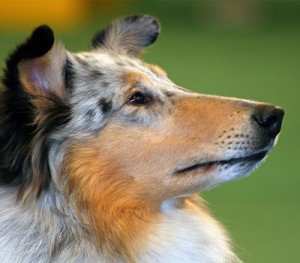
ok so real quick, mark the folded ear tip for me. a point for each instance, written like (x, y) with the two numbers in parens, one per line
(142, 18)
(43, 31)
(151, 26)
(40, 42)
(155, 30)
(149, 22)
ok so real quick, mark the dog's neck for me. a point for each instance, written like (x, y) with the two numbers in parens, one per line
(180, 231)
(193, 235)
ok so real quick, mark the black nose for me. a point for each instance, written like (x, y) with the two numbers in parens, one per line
(269, 118)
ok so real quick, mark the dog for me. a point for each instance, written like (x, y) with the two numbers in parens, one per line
(102, 154)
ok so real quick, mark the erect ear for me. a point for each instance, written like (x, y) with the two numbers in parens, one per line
(128, 35)
(41, 67)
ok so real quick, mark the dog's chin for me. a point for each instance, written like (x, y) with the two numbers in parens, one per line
(213, 173)
(238, 169)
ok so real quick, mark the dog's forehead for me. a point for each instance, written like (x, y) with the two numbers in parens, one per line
(102, 82)
(116, 68)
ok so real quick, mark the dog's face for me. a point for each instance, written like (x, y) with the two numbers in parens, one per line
(126, 129)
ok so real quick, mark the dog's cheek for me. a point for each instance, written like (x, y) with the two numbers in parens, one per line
(105, 198)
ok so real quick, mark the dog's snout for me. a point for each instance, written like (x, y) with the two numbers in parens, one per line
(269, 118)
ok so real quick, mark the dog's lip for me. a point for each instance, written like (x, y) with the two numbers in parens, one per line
(256, 157)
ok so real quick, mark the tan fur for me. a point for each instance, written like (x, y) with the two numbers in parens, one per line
(125, 188)
(158, 70)
(120, 218)
(133, 77)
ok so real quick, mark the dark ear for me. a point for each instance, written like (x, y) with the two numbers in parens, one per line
(38, 44)
(41, 65)
(36, 67)
(128, 35)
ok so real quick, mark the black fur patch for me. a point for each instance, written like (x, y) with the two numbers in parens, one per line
(99, 38)
(69, 74)
(19, 137)
(105, 105)
(15, 136)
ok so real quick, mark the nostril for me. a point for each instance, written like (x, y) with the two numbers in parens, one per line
(269, 118)
(266, 120)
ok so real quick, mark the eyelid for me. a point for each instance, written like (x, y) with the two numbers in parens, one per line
(148, 98)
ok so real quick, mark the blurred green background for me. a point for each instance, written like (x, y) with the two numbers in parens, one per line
(248, 49)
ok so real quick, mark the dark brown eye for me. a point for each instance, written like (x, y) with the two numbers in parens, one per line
(138, 99)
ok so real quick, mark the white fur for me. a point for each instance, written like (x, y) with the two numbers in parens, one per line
(189, 235)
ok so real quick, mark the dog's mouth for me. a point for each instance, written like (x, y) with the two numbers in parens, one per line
(253, 158)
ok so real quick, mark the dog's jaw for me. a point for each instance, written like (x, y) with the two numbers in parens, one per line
(214, 172)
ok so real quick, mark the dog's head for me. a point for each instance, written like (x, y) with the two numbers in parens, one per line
(106, 124)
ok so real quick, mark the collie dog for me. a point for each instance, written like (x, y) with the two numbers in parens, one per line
(102, 154)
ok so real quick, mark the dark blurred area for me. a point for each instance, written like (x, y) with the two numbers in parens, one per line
(239, 48)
